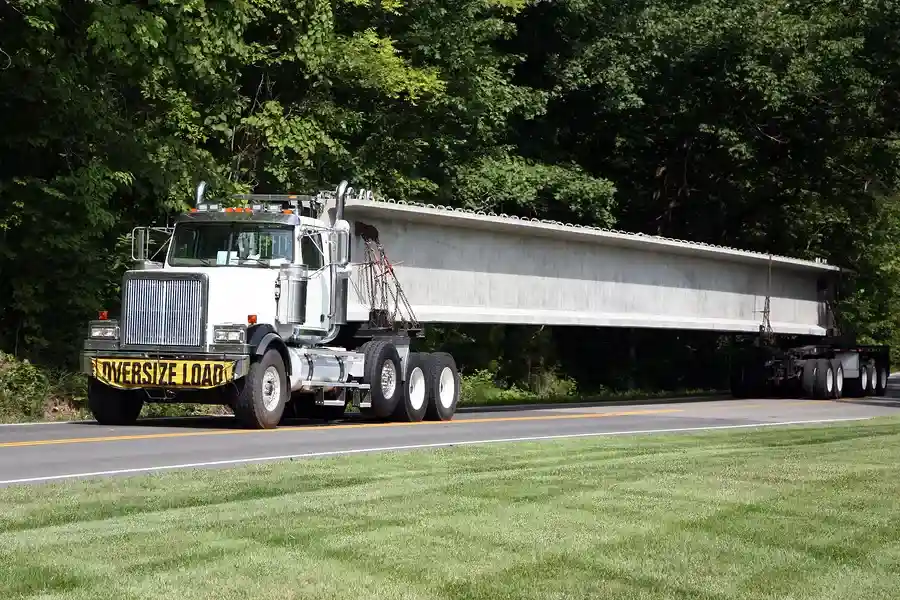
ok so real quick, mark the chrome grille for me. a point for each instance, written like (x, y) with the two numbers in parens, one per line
(163, 312)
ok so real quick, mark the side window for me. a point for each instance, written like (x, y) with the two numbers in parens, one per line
(184, 243)
(309, 251)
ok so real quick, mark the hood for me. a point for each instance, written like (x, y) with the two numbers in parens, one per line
(235, 293)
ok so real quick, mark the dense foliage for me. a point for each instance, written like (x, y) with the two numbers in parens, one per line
(764, 124)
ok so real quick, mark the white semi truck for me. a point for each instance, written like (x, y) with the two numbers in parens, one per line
(249, 309)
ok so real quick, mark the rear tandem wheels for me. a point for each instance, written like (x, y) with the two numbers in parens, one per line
(828, 376)
(428, 391)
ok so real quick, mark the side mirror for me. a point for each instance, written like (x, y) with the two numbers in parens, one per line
(139, 241)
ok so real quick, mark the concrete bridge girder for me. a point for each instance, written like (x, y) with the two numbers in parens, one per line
(464, 267)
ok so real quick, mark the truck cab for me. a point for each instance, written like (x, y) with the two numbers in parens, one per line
(245, 309)
(234, 281)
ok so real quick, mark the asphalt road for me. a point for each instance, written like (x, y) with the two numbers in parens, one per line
(56, 451)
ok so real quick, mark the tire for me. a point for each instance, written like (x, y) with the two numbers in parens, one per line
(881, 383)
(861, 383)
(808, 378)
(414, 402)
(823, 384)
(266, 380)
(838, 369)
(869, 390)
(112, 406)
(441, 372)
(381, 372)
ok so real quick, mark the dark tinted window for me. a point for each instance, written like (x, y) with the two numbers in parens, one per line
(231, 244)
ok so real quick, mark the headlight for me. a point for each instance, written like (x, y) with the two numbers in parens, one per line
(229, 334)
(104, 330)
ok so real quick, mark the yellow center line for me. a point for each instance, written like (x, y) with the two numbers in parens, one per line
(175, 434)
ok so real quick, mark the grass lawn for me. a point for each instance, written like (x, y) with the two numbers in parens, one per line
(806, 512)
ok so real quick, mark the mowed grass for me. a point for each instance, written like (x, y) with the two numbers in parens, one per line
(803, 512)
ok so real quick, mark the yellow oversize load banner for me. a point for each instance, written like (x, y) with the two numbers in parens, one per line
(151, 372)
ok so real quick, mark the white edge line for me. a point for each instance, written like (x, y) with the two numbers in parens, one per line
(237, 461)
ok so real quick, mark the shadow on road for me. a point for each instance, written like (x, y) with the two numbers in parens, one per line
(880, 402)
(224, 422)
(891, 400)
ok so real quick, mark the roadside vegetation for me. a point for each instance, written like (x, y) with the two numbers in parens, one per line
(802, 512)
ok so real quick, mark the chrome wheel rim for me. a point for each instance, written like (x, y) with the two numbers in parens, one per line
(388, 379)
(271, 388)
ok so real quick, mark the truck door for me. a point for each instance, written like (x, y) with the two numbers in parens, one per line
(311, 249)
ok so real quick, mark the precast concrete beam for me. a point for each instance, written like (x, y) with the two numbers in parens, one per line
(464, 267)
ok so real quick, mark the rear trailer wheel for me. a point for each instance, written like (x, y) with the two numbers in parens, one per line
(112, 406)
(838, 369)
(263, 393)
(881, 384)
(808, 381)
(823, 386)
(381, 372)
(442, 378)
(871, 381)
(861, 383)
(414, 401)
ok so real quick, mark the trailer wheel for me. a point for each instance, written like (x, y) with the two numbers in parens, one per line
(838, 369)
(112, 406)
(861, 382)
(382, 371)
(414, 402)
(881, 384)
(443, 386)
(808, 381)
(263, 393)
(823, 385)
(871, 381)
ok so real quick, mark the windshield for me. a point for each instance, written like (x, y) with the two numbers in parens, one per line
(231, 245)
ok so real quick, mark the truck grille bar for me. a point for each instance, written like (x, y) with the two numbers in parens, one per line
(163, 310)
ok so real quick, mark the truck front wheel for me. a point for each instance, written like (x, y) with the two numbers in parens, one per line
(111, 406)
(263, 393)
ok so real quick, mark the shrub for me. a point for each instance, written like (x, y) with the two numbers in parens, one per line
(482, 387)
(24, 389)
